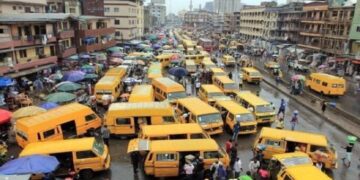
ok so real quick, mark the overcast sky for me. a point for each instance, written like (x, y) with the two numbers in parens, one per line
(174, 6)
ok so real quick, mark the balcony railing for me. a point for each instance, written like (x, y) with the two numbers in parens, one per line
(97, 46)
(33, 63)
(96, 32)
(66, 34)
(66, 52)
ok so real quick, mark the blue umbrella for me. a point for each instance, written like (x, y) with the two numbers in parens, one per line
(34, 164)
(73, 76)
(6, 81)
(49, 105)
(178, 72)
(85, 56)
(156, 46)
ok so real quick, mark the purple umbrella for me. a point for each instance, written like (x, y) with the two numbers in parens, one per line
(73, 76)
(49, 105)
(117, 54)
(85, 56)
(34, 164)
(156, 46)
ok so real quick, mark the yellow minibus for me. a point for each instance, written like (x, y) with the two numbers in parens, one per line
(232, 112)
(108, 85)
(190, 66)
(165, 59)
(227, 85)
(142, 93)
(264, 112)
(326, 84)
(279, 141)
(209, 93)
(217, 72)
(196, 58)
(64, 122)
(84, 155)
(167, 89)
(173, 131)
(128, 118)
(155, 71)
(251, 75)
(118, 72)
(207, 64)
(228, 60)
(166, 158)
(303, 172)
(193, 110)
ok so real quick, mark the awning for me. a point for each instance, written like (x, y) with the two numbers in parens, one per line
(341, 59)
(356, 61)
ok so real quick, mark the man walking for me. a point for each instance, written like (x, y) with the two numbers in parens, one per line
(134, 156)
(254, 166)
(236, 131)
(294, 120)
(237, 167)
(323, 106)
(282, 107)
(348, 149)
(105, 132)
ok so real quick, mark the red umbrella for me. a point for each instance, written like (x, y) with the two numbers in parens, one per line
(5, 116)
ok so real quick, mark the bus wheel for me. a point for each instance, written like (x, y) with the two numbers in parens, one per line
(86, 174)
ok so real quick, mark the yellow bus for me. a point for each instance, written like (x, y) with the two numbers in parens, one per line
(227, 85)
(326, 84)
(264, 112)
(251, 75)
(167, 89)
(118, 72)
(67, 121)
(165, 59)
(190, 66)
(155, 71)
(128, 118)
(303, 172)
(142, 93)
(173, 131)
(108, 85)
(209, 93)
(166, 158)
(217, 72)
(232, 112)
(279, 141)
(228, 60)
(193, 110)
(280, 161)
(196, 58)
(207, 64)
(84, 155)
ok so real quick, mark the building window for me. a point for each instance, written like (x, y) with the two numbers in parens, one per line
(358, 29)
(20, 7)
(116, 21)
(129, 21)
(117, 33)
(72, 10)
(37, 10)
(14, 7)
(2, 31)
(116, 9)
(107, 9)
(22, 53)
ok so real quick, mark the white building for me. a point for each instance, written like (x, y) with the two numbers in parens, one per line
(227, 6)
(159, 12)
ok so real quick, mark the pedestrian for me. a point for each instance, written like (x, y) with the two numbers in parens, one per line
(282, 107)
(134, 156)
(236, 131)
(197, 86)
(237, 167)
(254, 166)
(228, 145)
(319, 165)
(264, 173)
(277, 80)
(199, 169)
(233, 155)
(105, 133)
(189, 170)
(221, 174)
(214, 168)
(323, 106)
(247, 176)
(280, 122)
(230, 75)
(348, 155)
(294, 120)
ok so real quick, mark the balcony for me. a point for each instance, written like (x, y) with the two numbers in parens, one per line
(31, 40)
(96, 32)
(97, 47)
(67, 52)
(310, 33)
(32, 64)
(66, 34)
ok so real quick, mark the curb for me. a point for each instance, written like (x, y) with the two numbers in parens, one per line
(309, 108)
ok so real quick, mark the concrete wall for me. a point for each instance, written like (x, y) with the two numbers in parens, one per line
(16, 8)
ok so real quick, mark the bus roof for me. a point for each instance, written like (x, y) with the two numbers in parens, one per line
(224, 79)
(217, 70)
(155, 70)
(141, 92)
(251, 98)
(108, 80)
(298, 136)
(228, 56)
(305, 172)
(189, 62)
(211, 88)
(183, 145)
(196, 106)
(165, 55)
(293, 159)
(52, 114)
(324, 76)
(168, 84)
(59, 146)
(232, 107)
(171, 129)
(250, 69)
(118, 71)
(141, 108)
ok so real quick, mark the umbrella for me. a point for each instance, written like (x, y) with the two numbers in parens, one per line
(298, 77)
(73, 76)
(49, 105)
(115, 49)
(5, 116)
(73, 58)
(85, 56)
(91, 76)
(116, 60)
(117, 54)
(178, 72)
(156, 46)
(87, 68)
(68, 87)
(5, 81)
(148, 49)
(34, 164)
(60, 97)
(28, 111)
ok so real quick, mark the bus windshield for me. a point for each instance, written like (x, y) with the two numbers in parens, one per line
(245, 117)
(230, 86)
(215, 94)
(209, 118)
(176, 95)
(255, 74)
(264, 109)
(98, 146)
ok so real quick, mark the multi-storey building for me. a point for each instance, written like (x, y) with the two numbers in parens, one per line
(229, 24)
(140, 19)
(218, 23)
(159, 12)
(22, 6)
(92, 7)
(64, 6)
(289, 22)
(124, 17)
(326, 28)
(236, 22)
(354, 35)
(227, 6)
(209, 6)
(36, 41)
(251, 22)
(198, 18)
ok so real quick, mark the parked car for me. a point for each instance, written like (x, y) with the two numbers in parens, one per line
(299, 66)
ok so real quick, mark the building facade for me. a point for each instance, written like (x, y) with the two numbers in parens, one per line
(289, 22)
(227, 6)
(325, 28)
(64, 6)
(92, 7)
(209, 6)
(354, 36)
(199, 18)
(22, 6)
(159, 12)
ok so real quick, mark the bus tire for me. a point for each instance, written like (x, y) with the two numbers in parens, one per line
(86, 174)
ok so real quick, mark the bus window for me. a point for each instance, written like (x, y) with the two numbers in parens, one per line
(166, 157)
(178, 136)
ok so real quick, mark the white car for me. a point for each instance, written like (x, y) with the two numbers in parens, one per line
(299, 66)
